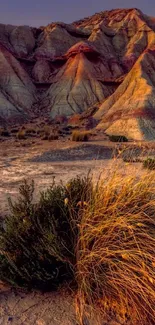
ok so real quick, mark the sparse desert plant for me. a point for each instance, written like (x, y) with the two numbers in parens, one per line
(53, 137)
(30, 131)
(14, 130)
(149, 163)
(47, 130)
(131, 155)
(38, 240)
(45, 137)
(82, 136)
(48, 134)
(4, 132)
(118, 138)
(101, 237)
(116, 251)
(21, 135)
(131, 159)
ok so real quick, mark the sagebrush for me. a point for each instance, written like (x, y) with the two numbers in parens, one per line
(38, 240)
(118, 138)
(101, 238)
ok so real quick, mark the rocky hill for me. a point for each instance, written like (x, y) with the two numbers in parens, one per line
(106, 60)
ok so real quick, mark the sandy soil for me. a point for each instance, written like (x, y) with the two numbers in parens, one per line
(22, 308)
(43, 160)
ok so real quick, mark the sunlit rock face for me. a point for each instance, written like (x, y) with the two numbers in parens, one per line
(64, 69)
(77, 84)
(130, 110)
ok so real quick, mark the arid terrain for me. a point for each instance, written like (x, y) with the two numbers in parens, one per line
(43, 161)
(59, 160)
(106, 61)
(77, 99)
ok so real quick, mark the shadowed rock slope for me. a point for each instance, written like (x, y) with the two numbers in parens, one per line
(62, 69)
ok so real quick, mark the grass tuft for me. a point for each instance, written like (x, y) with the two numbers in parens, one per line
(21, 135)
(116, 250)
(80, 136)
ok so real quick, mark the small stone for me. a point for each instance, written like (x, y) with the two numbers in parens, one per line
(40, 322)
(10, 318)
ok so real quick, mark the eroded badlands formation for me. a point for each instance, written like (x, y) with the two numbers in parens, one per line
(106, 60)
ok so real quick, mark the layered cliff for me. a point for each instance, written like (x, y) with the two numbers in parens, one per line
(62, 69)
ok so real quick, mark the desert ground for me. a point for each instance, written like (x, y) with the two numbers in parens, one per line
(97, 74)
(60, 160)
(44, 161)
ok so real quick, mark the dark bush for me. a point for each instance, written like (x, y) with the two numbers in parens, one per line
(38, 240)
(118, 138)
(14, 130)
(149, 163)
(4, 132)
(30, 131)
(44, 137)
(53, 137)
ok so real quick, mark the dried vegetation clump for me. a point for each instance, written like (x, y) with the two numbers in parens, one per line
(80, 136)
(116, 250)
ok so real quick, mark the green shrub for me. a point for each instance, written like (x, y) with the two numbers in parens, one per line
(38, 240)
(149, 163)
(80, 136)
(118, 138)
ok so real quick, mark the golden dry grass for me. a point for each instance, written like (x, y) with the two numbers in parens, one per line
(21, 134)
(80, 136)
(116, 250)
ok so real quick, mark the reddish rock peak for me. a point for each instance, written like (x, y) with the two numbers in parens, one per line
(81, 47)
(106, 17)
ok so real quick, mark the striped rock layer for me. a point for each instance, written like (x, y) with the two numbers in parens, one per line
(107, 60)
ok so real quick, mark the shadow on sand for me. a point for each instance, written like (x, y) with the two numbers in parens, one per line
(82, 152)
